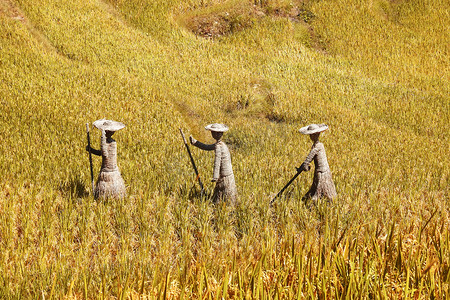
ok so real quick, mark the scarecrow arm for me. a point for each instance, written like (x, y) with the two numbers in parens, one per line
(201, 145)
(94, 151)
(305, 165)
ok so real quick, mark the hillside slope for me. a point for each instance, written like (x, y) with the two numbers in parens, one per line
(376, 72)
(93, 60)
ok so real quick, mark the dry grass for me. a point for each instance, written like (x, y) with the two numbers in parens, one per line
(374, 72)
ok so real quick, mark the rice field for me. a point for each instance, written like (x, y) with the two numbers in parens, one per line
(377, 72)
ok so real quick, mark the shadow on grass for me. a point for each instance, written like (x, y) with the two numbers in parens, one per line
(75, 187)
(194, 193)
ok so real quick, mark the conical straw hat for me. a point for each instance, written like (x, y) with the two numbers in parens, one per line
(108, 125)
(313, 128)
(217, 127)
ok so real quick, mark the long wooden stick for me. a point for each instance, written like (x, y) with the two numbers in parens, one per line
(192, 160)
(285, 187)
(90, 156)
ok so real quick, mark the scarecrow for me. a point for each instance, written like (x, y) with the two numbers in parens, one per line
(322, 185)
(225, 189)
(109, 183)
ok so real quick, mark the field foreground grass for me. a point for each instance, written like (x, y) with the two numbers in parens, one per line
(375, 72)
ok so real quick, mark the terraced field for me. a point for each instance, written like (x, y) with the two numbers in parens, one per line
(377, 72)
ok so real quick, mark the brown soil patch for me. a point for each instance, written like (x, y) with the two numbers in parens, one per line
(9, 9)
(224, 19)
(220, 20)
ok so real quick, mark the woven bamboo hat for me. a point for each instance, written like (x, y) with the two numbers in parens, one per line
(108, 125)
(217, 127)
(313, 128)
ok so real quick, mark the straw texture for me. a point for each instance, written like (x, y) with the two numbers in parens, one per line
(323, 185)
(108, 125)
(110, 183)
(217, 127)
(313, 128)
(225, 188)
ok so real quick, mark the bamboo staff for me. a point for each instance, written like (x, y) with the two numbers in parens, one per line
(285, 187)
(90, 156)
(192, 160)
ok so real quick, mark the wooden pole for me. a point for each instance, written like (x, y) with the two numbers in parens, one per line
(285, 187)
(192, 160)
(90, 157)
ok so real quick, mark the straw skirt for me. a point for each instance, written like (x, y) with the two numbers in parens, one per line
(110, 185)
(323, 186)
(225, 190)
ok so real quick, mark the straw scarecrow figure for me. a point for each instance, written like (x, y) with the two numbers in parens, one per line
(110, 183)
(322, 185)
(225, 189)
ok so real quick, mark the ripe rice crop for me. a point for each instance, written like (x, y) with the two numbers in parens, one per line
(376, 72)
